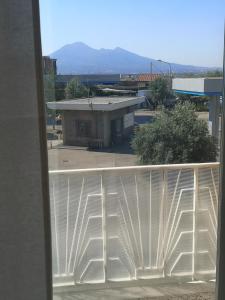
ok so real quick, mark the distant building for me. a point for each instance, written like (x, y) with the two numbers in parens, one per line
(144, 79)
(98, 121)
(211, 87)
(138, 81)
(88, 80)
(124, 82)
(49, 65)
(91, 79)
(128, 77)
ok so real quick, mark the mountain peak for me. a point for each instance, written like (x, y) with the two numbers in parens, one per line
(79, 45)
(79, 58)
(119, 49)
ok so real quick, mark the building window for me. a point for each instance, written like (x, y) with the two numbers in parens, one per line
(83, 128)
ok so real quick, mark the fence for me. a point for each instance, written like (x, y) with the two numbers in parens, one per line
(131, 223)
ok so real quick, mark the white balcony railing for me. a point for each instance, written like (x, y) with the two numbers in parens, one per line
(130, 223)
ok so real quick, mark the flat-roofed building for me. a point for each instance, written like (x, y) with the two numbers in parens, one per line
(199, 86)
(209, 86)
(97, 121)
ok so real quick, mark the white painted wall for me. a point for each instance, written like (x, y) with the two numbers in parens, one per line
(200, 85)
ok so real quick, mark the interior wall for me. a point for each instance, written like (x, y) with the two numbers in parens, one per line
(25, 252)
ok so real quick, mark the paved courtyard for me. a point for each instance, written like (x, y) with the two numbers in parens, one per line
(169, 291)
(80, 158)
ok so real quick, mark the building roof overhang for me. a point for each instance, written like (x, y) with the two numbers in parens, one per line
(96, 103)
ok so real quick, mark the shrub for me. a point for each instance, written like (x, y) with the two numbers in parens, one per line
(176, 136)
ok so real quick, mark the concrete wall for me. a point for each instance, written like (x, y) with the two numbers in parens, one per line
(214, 85)
(188, 84)
(25, 252)
(106, 129)
(116, 114)
(70, 134)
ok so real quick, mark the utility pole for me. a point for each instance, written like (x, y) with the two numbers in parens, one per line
(170, 71)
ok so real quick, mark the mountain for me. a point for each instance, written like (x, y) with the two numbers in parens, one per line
(79, 58)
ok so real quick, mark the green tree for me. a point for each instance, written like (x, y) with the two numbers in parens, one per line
(49, 87)
(49, 94)
(200, 102)
(159, 91)
(75, 89)
(176, 136)
(216, 73)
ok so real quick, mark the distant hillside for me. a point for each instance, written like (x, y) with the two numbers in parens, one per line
(78, 58)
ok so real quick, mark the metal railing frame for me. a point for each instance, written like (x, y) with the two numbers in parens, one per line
(135, 170)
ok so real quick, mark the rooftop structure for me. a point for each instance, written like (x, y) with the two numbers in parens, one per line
(118, 91)
(96, 103)
(142, 77)
(147, 77)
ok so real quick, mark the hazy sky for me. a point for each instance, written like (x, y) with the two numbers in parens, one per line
(180, 31)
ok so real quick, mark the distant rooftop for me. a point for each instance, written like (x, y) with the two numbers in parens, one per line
(142, 77)
(209, 86)
(147, 77)
(96, 103)
(90, 78)
(119, 91)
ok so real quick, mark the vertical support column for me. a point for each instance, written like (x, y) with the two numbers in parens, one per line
(214, 108)
(160, 257)
(150, 219)
(194, 238)
(220, 264)
(164, 203)
(104, 228)
(106, 128)
(25, 252)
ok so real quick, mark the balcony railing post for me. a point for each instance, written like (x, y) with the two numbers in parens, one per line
(195, 203)
(104, 229)
(164, 203)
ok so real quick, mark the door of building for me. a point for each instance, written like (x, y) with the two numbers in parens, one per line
(117, 131)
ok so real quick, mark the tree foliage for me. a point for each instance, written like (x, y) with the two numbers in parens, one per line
(49, 87)
(200, 102)
(49, 90)
(215, 73)
(159, 91)
(75, 89)
(176, 136)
